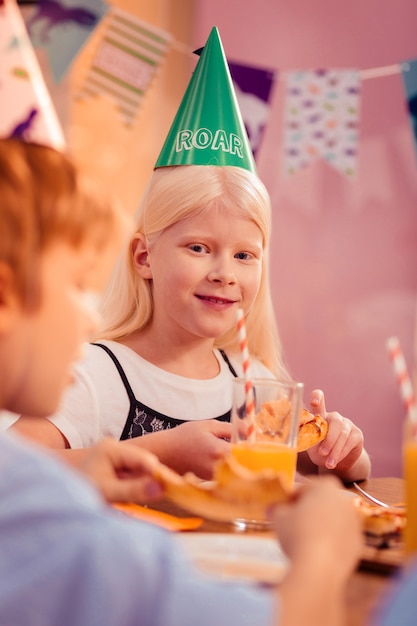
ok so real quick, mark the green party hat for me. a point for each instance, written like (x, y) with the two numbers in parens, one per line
(208, 128)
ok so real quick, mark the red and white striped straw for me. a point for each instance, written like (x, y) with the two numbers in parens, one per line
(403, 378)
(249, 395)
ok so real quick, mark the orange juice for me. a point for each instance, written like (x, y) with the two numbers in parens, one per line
(267, 455)
(410, 474)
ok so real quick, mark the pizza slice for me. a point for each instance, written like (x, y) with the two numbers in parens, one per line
(235, 491)
(312, 429)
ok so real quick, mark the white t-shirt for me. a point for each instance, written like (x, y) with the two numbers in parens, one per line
(97, 404)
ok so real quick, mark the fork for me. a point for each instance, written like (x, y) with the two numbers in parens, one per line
(375, 500)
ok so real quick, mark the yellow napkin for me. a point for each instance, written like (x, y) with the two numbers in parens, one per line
(167, 521)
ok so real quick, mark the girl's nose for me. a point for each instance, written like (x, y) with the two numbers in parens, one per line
(222, 276)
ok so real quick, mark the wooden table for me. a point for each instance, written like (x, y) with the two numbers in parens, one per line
(374, 574)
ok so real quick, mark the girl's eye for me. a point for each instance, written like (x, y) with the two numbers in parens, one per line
(244, 256)
(197, 247)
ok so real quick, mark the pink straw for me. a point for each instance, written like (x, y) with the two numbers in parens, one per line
(403, 378)
(249, 395)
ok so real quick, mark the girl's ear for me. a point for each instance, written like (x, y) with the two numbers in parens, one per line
(140, 256)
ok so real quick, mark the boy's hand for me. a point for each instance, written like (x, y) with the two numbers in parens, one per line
(321, 522)
(122, 473)
(321, 533)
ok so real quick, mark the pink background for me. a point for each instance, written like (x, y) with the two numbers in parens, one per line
(344, 253)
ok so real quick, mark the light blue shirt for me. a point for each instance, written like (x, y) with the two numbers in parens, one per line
(400, 606)
(67, 559)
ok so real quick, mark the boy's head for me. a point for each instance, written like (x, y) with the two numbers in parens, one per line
(44, 200)
(54, 236)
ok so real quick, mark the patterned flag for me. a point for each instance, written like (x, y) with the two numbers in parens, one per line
(409, 74)
(253, 89)
(322, 119)
(62, 27)
(125, 62)
(26, 110)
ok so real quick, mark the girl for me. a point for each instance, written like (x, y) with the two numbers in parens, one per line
(164, 363)
(52, 244)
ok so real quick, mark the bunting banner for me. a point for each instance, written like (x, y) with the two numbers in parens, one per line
(253, 87)
(126, 60)
(321, 108)
(63, 27)
(26, 108)
(409, 75)
(321, 119)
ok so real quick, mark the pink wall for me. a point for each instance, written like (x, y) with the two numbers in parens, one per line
(344, 254)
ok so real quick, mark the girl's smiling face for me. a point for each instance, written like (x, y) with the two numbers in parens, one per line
(203, 268)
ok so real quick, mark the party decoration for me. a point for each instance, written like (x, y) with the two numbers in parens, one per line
(63, 27)
(253, 87)
(322, 119)
(409, 75)
(27, 112)
(125, 63)
(208, 128)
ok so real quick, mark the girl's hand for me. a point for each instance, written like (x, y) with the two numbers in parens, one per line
(196, 446)
(191, 447)
(343, 449)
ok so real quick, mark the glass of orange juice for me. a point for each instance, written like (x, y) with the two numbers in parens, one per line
(267, 439)
(410, 475)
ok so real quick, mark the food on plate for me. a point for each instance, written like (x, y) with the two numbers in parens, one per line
(272, 422)
(382, 526)
(235, 492)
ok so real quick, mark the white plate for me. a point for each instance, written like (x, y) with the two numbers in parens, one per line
(241, 557)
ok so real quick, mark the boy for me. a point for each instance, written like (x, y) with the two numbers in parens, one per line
(65, 557)
(51, 228)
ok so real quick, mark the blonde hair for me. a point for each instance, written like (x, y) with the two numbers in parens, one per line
(173, 194)
(43, 199)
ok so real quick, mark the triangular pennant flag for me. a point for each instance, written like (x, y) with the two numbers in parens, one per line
(253, 87)
(208, 128)
(322, 119)
(27, 112)
(63, 27)
(126, 60)
(409, 74)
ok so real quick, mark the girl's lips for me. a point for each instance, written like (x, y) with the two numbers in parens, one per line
(216, 299)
